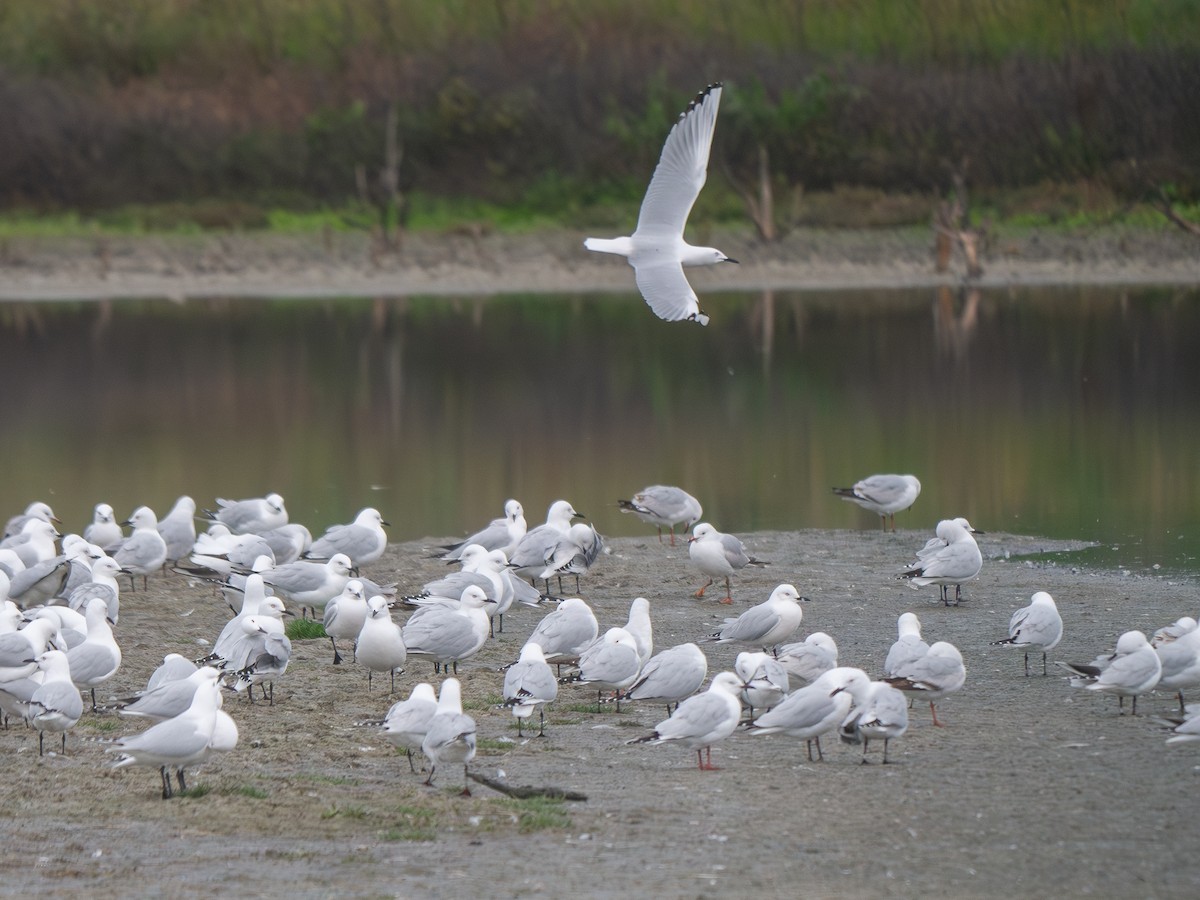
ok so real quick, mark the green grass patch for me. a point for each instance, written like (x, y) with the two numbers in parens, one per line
(304, 630)
(500, 746)
(199, 790)
(592, 708)
(416, 823)
(491, 701)
(538, 814)
(345, 812)
(247, 790)
(328, 779)
(103, 724)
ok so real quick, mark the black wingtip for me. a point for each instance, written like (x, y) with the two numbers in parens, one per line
(702, 96)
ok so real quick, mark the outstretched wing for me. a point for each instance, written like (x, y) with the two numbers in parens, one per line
(682, 168)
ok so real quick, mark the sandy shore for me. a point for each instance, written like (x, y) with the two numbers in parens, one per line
(479, 263)
(1031, 788)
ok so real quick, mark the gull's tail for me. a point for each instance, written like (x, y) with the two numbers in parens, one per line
(620, 246)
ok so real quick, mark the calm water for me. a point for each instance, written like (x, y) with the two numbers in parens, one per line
(1067, 412)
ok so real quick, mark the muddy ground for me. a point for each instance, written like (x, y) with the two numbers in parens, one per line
(475, 261)
(1032, 788)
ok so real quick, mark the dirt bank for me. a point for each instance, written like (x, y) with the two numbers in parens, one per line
(1031, 788)
(476, 262)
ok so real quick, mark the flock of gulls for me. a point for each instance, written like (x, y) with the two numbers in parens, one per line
(62, 596)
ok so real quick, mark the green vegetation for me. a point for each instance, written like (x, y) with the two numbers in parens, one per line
(304, 630)
(538, 814)
(294, 115)
(254, 793)
(199, 790)
(495, 745)
(347, 812)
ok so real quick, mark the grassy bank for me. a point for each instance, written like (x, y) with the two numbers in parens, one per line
(520, 110)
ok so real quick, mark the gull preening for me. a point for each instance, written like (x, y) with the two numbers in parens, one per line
(656, 249)
(1037, 626)
(764, 680)
(934, 675)
(883, 713)
(664, 506)
(807, 660)
(884, 495)
(951, 558)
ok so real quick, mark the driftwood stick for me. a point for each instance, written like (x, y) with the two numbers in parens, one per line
(524, 792)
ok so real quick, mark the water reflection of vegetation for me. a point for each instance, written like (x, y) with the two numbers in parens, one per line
(1066, 413)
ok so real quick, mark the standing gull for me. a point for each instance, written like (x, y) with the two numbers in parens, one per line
(103, 531)
(773, 620)
(718, 555)
(35, 510)
(574, 554)
(380, 645)
(451, 735)
(1132, 670)
(408, 720)
(446, 634)
(56, 705)
(565, 632)
(253, 515)
(311, 584)
(764, 680)
(609, 662)
(884, 495)
(345, 615)
(908, 646)
(529, 684)
(883, 713)
(503, 533)
(815, 710)
(640, 627)
(178, 528)
(807, 660)
(363, 540)
(144, 551)
(656, 249)
(1037, 626)
(956, 562)
(97, 659)
(670, 676)
(180, 741)
(703, 720)
(663, 505)
(938, 673)
(528, 558)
